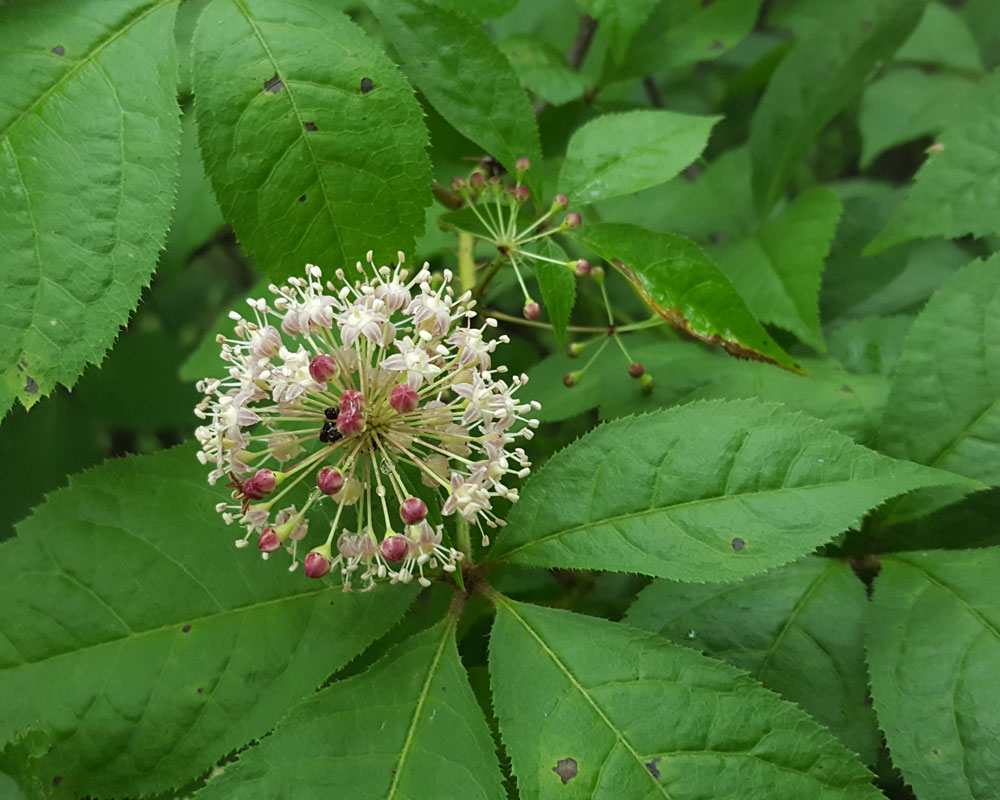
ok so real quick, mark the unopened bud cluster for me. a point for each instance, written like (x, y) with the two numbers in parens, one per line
(352, 394)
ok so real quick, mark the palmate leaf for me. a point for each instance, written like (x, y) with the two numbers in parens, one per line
(944, 404)
(684, 286)
(618, 154)
(143, 644)
(711, 491)
(934, 656)
(88, 153)
(463, 74)
(799, 630)
(591, 708)
(313, 140)
(408, 727)
(777, 269)
(819, 77)
(956, 191)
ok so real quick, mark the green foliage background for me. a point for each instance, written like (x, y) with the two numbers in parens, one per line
(763, 576)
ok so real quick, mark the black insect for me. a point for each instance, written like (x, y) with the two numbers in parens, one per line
(490, 166)
(329, 434)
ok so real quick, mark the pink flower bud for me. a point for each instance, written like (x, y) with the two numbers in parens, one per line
(269, 541)
(322, 368)
(350, 422)
(316, 565)
(413, 510)
(636, 369)
(532, 310)
(351, 400)
(572, 220)
(522, 193)
(582, 267)
(477, 180)
(403, 398)
(522, 164)
(394, 548)
(252, 489)
(265, 480)
(329, 480)
(561, 200)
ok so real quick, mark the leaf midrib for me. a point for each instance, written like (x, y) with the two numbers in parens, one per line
(90, 56)
(691, 503)
(508, 606)
(161, 628)
(298, 115)
(424, 691)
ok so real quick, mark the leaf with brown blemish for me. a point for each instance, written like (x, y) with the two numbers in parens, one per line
(678, 281)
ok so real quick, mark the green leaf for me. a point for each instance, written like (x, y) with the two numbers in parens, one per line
(144, 643)
(711, 491)
(708, 33)
(944, 405)
(463, 74)
(816, 80)
(618, 154)
(622, 19)
(88, 151)
(777, 270)
(308, 166)
(957, 190)
(907, 104)
(934, 655)
(543, 69)
(898, 280)
(870, 346)
(942, 38)
(558, 285)
(197, 215)
(715, 205)
(678, 281)
(591, 708)
(409, 726)
(971, 522)
(799, 630)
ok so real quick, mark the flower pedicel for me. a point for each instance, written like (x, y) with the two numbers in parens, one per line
(343, 389)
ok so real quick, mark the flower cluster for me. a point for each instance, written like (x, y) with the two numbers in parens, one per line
(359, 392)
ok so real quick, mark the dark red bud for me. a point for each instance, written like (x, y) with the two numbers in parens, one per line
(522, 193)
(316, 565)
(350, 422)
(562, 200)
(413, 510)
(265, 480)
(582, 267)
(572, 220)
(252, 489)
(532, 310)
(351, 400)
(269, 541)
(477, 180)
(394, 548)
(322, 368)
(636, 369)
(569, 379)
(329, 480)
(403, 398)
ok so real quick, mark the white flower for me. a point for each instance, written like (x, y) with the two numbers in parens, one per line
(315, 406)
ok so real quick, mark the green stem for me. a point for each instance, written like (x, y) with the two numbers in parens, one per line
(466, 262)
(462, 532)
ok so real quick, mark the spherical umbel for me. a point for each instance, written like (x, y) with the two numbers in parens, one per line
(413, 510)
